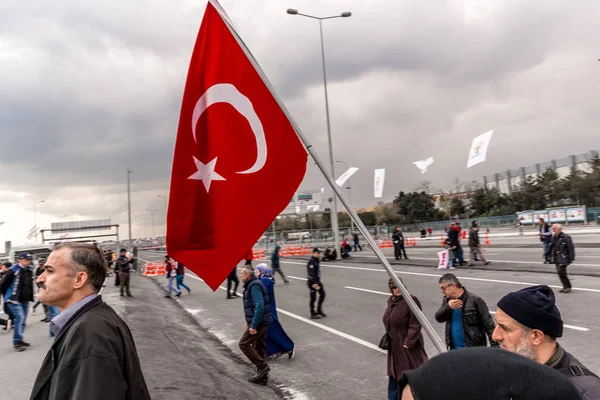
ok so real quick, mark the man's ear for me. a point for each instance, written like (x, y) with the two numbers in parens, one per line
(80, 280)
(538, 337)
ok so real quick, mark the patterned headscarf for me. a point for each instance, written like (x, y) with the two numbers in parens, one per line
(391, 283)
(264, 270)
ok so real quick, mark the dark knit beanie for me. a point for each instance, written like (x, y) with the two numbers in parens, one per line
(535, 308)
(487, 373)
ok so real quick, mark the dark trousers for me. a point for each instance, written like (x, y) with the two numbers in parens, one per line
(280, 272)
(124, 278)
(458, 252)
(255, 346)
(357, 246)
(313, 298)
(393, 388)
(232, 278)
(399, 250)
(562, 275)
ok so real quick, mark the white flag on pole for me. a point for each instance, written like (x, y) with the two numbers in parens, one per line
(479, 149)
(443, 255)
(379, 181)
(423, 164)
(345, 176)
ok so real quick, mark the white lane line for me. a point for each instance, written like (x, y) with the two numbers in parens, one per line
(501, 261)
(438, 275)
(296, 277)
(334, 331)
(317, 325)
(577, 328)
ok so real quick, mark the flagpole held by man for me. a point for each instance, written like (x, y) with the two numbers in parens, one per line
(228, 97)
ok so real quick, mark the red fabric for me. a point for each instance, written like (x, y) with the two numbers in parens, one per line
(249, 255)
(211, 230)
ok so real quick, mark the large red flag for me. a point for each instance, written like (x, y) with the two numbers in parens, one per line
(237, 161)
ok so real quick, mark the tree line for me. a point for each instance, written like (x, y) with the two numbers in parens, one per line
(470, 200)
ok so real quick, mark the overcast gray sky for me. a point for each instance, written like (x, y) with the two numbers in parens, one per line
(89, 89)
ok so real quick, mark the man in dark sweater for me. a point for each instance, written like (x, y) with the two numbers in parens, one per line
(124, 269)
(529, 323)
(93, 356)
(17, 291)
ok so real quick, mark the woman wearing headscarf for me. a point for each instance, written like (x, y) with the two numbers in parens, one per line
(406, 346)
(278, 342)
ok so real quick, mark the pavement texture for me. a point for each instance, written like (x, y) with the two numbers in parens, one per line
(179, 358)
(337, 357)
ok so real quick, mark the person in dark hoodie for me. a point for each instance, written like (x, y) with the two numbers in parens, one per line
(276, 266)
(17, 290)
(313, 270)
(454, 238)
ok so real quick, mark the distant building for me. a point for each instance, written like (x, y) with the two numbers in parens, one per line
(506, 181)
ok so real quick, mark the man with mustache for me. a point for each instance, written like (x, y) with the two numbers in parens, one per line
(528, 323)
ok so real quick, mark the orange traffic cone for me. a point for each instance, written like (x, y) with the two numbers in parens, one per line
(487, 240)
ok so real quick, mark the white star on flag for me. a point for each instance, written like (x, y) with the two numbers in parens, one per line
(206, 173)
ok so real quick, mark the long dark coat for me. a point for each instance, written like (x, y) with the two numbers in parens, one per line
(405, 329)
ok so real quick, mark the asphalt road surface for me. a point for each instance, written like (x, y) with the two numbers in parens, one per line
(337, 357)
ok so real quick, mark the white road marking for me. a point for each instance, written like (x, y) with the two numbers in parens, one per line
(438, 275)
(296, 277)
(334, 331)
(502, 261)
(315, 324)
(577, 328)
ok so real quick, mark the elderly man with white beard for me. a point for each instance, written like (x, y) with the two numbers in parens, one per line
(528, 323)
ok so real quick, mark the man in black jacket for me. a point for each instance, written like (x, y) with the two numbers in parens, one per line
(529, 323)
(562, 253)
(124, 268)
(93, 356)
(398, 240)
(313, 271)
(475, 246)
(468, 320)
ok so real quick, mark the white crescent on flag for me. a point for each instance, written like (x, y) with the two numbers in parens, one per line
(423, 164)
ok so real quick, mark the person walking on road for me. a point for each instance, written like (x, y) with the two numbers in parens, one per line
(454, 238)
(17, 291)
(278, 342)
(93, 355)
(528, 323)
(468, 320)
(545, 238)
(124, 267)
(406, 346)
(179, 278)
(398, 240)
(356, 242)
(232, 279)
(313, 271)
(562, 252)
(257, 312)
(275, 264)
(6, 323)
(475, 246)
(171, 274)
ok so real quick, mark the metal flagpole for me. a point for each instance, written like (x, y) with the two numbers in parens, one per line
(438, 343)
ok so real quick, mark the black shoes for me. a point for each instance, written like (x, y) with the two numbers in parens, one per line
(261, 374)
(263, 381)
(565, 290)
(321, 314)
(315, 316)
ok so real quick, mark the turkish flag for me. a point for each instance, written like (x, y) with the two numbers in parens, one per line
(237, 161)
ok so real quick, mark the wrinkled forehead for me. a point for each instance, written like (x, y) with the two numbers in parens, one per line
(60, 258)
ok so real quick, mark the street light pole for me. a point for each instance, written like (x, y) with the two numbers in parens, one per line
(152, 217)
(35, 217)
(334, 211)
(129, 202)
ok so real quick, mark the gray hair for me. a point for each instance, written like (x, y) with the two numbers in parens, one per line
(86, 258)
(450, 279)
(248, 268)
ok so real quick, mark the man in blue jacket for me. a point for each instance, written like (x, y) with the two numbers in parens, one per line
(17, 291)
(257, 311)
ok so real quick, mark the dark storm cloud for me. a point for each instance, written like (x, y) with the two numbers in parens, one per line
(95, 88)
